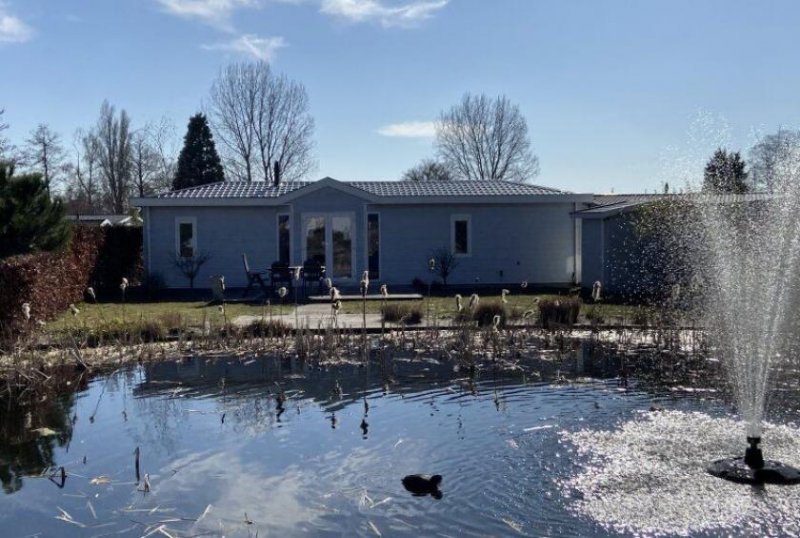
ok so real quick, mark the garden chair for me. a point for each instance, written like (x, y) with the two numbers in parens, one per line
(253, 277)
(313, 273)
(281, 275)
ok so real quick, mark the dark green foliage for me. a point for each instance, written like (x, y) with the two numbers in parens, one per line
(29, 220)
(408, 314)
(725, 173)
(559, 312)
(198, 162)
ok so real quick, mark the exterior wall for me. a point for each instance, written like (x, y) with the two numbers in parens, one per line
(225, 233)
(510, 243)
(592, 252)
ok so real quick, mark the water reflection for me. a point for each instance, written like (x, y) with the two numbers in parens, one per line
(242, 445)
(32, 426)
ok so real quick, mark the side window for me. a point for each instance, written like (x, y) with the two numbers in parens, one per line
(186, 237)
(373, 245)
(461, 235)
(284, 239)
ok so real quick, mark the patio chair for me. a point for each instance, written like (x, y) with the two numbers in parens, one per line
(313, 273)
(281, 275)
(253, 277)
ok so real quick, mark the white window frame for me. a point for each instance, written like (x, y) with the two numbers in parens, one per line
(178, 222)
(468, 219)
(278, 235)
(366, 242)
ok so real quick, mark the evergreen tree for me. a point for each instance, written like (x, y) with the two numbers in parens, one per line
(725, 173)
(198, 163)
(29, 220)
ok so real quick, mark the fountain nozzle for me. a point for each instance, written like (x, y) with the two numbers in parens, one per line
(753, 456)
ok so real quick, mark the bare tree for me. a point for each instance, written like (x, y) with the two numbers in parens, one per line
(773, 157)
(4, 143)
(233, 104)
(83, 186)
(443, 262)
(262, 119)
(144, 162)
(113, 139)
(484, 139)
(44, 153)
(164, 142)
(428, 170)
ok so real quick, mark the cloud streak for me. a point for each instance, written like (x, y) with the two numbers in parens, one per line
(409, 129)
(12, 29)
(260, 48)
(404, 15)
(215, 13)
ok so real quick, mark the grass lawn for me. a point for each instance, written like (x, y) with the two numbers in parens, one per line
(98, 315)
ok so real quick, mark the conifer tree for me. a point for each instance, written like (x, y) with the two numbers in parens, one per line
(29, 219)
(725, 173)
(198, 163)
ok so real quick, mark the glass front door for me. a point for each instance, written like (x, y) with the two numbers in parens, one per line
(329, 241)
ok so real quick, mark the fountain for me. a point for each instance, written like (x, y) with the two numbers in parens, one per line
(751, 260)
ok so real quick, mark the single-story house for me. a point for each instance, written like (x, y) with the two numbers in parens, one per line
(612, 252)
(501, 233)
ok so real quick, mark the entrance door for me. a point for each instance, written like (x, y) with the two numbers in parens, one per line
(329, 241)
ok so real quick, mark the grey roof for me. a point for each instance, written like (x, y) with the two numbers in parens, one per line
(260, 189)
(606, 204)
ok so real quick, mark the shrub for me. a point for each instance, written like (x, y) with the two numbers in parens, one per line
(595, 316)
(486, 311)
(421, 286)
(409, 314)
(267, 328)
(561, 311)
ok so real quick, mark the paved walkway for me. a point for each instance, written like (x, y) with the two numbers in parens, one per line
(316, 315)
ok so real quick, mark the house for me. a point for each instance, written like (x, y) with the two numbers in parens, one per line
(614, 254)
(501, 233)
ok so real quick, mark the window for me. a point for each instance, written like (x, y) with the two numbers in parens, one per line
(461, 244)
(284, 239)
(185, 237)
(373, 246)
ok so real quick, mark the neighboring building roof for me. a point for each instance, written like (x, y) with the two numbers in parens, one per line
(605, 205)
(260, 189)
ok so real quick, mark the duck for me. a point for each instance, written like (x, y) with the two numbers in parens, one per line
(422, 484)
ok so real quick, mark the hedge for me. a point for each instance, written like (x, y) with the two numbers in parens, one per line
(50, 281)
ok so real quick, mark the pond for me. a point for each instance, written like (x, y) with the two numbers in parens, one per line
(552, 447)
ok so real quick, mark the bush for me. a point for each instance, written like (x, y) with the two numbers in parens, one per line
(267, 328)
(402, 313)
(561, 311)
(421, 286)
(486, 311)
(595, 316)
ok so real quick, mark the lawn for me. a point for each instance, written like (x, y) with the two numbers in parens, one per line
(99, 315)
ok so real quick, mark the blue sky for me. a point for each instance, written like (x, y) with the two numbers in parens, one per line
(610, 89)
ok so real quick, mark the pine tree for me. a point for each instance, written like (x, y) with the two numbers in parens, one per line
(198, 163)
(725, 173)
(29, 220)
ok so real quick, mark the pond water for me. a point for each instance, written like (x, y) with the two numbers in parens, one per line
(550, 448)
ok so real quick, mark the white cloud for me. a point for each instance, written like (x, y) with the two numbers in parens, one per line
(409, 129)
(12, 29)
(261, 48)
(408, 14)
(213, 12)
